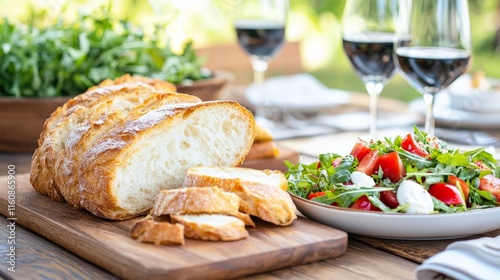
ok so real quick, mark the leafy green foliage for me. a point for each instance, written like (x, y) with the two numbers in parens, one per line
(66, 58)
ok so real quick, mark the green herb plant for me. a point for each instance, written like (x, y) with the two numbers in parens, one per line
(65, 58)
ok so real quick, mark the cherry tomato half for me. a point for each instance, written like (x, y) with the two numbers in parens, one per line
(452, 180)
(313, 195)
(364, 204)
(409, 144)
(392, 166)
(449, 194)
(491, 184)
(360, 150)
(368, 164)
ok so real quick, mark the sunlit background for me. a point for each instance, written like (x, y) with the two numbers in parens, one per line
(313, 24)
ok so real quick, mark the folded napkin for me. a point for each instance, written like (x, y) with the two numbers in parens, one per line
(291, 101)
(464, 260)
(297, 93)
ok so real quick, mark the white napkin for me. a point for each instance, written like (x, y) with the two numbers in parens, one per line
(300, 93)
(464, 260)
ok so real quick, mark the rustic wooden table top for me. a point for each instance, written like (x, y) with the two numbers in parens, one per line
(365, 258)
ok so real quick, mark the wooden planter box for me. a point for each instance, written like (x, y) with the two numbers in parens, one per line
(21, 121)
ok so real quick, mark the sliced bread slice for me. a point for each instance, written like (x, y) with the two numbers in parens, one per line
(159, 233)
(212, 227)
(123, 171)
(261, 191)
(209, 200)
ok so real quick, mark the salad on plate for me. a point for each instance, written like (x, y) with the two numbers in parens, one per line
(413, 174)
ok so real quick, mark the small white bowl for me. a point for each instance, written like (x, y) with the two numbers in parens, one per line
(482, 100)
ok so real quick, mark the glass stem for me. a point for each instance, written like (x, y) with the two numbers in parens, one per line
(429, 116)
(259, 75)
(374, 89)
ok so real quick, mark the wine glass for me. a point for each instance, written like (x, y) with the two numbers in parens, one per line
(368, 30)
(432, 47)
(260, 27)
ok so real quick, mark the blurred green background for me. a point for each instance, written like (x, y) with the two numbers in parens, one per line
(315, 24)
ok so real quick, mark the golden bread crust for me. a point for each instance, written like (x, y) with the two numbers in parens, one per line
(159, 233)
(266, 149)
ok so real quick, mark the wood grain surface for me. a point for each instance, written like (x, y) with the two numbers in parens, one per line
(107, 244)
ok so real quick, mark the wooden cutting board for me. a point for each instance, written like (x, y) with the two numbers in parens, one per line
(107, 244)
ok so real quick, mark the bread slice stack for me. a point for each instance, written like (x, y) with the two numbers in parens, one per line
(209, 204)
(112, 149)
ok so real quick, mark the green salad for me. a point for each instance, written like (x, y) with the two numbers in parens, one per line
(414, 174)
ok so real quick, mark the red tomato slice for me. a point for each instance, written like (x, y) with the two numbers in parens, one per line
(364, 204)
(392, 166)
(360, 150)
(368, 164)
(409, 144)
(491, 184)
(313, 195)
(452, 180)
(447, 193)
(389, 198)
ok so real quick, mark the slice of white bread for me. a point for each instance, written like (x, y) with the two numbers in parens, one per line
(123, 171)
(102, 119)
(262, 192)
(159, 233)
(208, 200)
(59, 124)
(213, 227)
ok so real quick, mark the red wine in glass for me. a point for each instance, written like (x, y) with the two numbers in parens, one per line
(432, 68)
(371, 54)
(260, 37)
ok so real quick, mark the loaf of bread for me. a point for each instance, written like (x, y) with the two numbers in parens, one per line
(104, 117)
(67, 117)
(111, 149)
(262, 192)
(123, 171)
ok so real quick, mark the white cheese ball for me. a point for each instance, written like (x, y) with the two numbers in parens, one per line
(360, 179)
(419, 200)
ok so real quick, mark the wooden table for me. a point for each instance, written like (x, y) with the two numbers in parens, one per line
(365, 258)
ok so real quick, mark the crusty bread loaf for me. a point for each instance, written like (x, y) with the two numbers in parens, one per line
(102, 119)
(159, 233)
(125, 168)
(262, 192)
(59, 124)
(212, 227)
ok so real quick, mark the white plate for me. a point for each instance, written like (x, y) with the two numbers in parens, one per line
(464, 97)
(445, 115)
(296, 93)
(400, 225)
